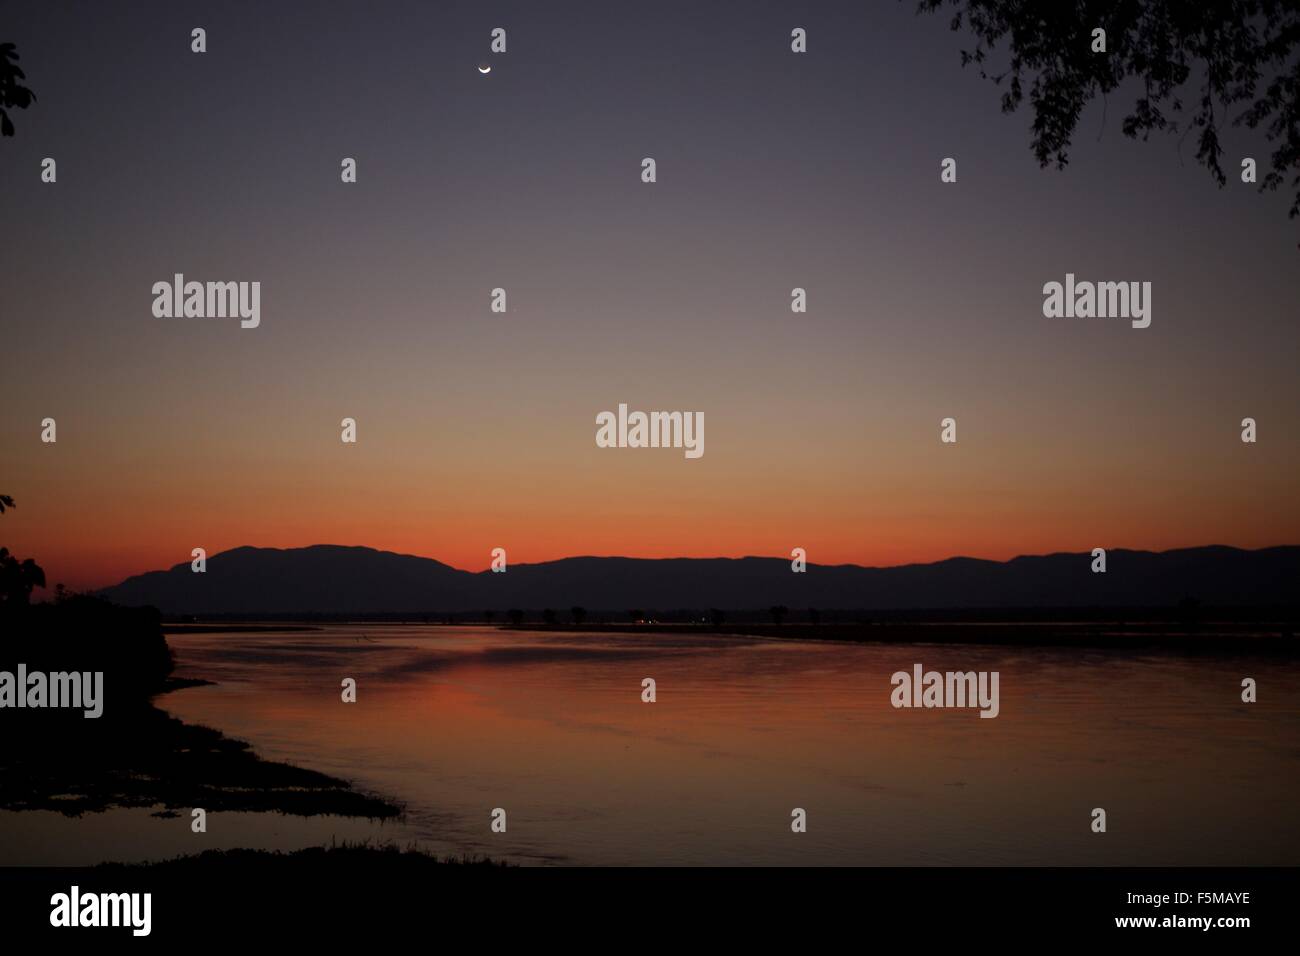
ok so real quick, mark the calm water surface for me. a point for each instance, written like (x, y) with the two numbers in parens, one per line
(454, 721)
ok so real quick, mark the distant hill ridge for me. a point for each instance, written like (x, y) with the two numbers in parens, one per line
(337, 579)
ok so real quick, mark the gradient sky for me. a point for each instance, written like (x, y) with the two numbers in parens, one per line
(477, 430)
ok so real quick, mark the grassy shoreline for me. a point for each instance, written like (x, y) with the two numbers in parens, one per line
(314, 859)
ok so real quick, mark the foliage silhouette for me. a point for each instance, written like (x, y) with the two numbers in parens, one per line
(1230, 52)
(17, 578)
(13, 95)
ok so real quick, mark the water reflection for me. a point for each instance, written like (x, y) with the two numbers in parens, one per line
(453, 722)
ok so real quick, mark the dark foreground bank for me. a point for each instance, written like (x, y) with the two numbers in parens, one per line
(132, 754)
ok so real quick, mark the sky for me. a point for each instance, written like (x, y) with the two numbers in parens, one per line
(477, 430)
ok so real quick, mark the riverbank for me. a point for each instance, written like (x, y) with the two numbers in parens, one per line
(133, 754)
(1254, 638)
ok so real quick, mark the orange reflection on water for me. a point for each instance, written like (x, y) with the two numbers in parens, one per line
(454, 722)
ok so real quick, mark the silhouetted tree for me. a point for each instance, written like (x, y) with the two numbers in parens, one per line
(488, 616)
(814, 616)
(719, 617)
(778, 612)
(18, 578)
(579, 614)
(1230, 51)
(636, 614)
(516, 616)
(13, 95)
(548, 615)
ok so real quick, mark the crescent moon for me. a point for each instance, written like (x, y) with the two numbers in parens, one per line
(484, 68)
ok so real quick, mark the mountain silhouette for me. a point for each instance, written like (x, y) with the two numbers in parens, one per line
(334, 579)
